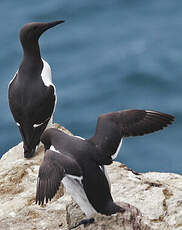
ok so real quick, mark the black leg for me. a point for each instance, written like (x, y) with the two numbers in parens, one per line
(85, 222)
(122, 210)
(114, 208)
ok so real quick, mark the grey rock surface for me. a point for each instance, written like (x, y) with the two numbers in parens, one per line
(152, 200)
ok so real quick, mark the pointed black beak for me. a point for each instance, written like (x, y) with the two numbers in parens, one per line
(32, 31)
(49, 25)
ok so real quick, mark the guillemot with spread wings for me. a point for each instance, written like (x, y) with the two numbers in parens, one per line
(79, 163)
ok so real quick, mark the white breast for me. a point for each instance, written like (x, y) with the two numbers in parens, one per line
(75, 189)
(47, 79)
(46, 74)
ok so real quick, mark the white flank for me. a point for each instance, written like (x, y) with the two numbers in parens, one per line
(75, 189)
(53, 149)
(118, 149)
(49, 125)
(37, 125)
(103, 168)
(75, 177)
(18, 124)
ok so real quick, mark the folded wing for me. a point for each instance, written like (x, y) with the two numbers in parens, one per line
(54, 167)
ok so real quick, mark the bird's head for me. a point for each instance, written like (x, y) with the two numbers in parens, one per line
(46, 138)
(32, 31)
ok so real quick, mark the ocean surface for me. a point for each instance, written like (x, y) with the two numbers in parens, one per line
(108, 55)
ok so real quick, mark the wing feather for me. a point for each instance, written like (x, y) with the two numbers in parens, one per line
(112, 127)
(52, 170)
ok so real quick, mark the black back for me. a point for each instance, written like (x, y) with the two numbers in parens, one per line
(94, 181)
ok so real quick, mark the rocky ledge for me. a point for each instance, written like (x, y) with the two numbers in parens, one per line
(152, 200)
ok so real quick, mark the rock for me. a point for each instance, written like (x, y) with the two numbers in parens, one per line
(152, 200)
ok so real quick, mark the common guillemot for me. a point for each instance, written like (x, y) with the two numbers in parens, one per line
(79, 163)
(31, 93)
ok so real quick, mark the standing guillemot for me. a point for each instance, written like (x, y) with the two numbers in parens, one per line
(31, 93)
(79, 162)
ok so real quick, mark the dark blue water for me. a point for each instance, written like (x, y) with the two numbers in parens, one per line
(108, 55)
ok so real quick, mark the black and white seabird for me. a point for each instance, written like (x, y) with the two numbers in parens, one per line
(31, 93)
(79, 163)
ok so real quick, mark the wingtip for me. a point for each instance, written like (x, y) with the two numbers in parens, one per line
(167, 117)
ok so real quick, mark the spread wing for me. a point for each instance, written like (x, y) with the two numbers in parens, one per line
(112, 127)
(54, 167)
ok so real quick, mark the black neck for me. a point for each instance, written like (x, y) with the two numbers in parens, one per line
(31, 51)
(31, 63)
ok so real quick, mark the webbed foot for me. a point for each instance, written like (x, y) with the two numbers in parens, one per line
(85, 222)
